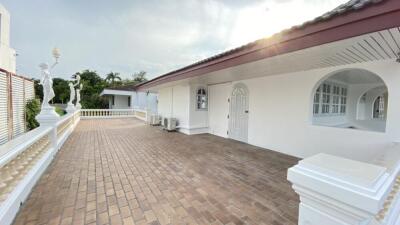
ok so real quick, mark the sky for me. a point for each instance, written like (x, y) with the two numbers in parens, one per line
(127, 36)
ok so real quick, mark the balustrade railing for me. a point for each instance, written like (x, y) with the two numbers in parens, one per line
(24, 159)
(113, 113)
(335, 190)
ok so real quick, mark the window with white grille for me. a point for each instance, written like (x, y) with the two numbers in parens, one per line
(201, 99)
(330, 99)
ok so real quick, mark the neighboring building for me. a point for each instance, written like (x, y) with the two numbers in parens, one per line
(15, 91)
(330, 85)
(126, 98)
(7, 54)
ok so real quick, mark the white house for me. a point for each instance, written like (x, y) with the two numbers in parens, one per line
(327, 90)
(7, 54)
(127, 98)
(329, 85)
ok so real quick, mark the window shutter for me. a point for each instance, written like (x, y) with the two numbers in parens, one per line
(18, 105)
(3, 108)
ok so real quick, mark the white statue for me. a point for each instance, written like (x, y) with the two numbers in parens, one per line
(78, 97)
(48, 115)
(70, 106)
(78, 80)
(47, 83)
(71, 93)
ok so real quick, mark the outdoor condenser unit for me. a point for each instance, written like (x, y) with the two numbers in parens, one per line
(169, 124)
(155, 120)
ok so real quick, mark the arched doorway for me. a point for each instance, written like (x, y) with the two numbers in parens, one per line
(239, 113)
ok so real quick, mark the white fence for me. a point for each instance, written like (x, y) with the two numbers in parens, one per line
(113, 113)
(24, 159)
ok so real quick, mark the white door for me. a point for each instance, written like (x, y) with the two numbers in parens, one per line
(239, 113)
(218, 108)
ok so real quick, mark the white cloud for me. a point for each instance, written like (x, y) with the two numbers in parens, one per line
(156, 36)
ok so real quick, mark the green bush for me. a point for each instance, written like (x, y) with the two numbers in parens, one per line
(60, 111)
(32, 109)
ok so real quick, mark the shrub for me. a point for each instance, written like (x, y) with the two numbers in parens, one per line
(32, 109)
(60, 111)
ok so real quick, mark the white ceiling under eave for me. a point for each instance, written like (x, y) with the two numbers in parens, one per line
(382, 45)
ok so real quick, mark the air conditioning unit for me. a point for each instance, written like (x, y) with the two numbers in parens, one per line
(169, 124)
(155, 120)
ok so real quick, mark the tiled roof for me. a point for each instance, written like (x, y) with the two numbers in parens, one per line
(352, 5)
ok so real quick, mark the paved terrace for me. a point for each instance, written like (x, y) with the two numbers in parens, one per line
(119, 171)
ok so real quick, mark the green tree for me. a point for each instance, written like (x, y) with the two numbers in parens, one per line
(139, 77)
(32, 110)
(113, 78)
(38, 89)
(61, 90)
(93, 84)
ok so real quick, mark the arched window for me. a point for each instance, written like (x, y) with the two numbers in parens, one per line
(201, 99)
(350, 98)
(379, 108)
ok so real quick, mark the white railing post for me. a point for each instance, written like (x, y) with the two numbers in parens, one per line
(49, 118)
(339, 191)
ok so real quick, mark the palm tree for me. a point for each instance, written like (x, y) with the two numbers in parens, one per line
(112, 77)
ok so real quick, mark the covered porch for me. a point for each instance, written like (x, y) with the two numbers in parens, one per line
(125, 172)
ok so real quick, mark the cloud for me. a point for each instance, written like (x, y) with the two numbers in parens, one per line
(127, 36)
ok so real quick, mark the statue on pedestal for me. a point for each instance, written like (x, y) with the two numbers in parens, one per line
(70, 107)
(78, 97)
(47, 83)
(48, 115)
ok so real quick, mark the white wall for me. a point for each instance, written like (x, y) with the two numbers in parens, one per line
(280, 115)
(198, 119)
(174, 102)
(281, 112)
(120, 102)
(7, 54)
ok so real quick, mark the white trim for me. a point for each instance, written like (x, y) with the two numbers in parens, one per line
(193, 130)
(115, 92)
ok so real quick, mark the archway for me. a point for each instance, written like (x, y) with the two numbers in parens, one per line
(347, 99)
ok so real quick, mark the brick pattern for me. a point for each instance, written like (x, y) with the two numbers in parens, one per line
(119, 171)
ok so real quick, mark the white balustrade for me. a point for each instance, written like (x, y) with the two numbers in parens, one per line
(24, 159)
(113, 113)
(334, 190)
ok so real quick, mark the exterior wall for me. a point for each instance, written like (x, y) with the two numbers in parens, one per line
(139, 100)
(7, 54)
(198, 119)
(120, 102)
(174, 102)
(280, 115)
(152, 103)
(143, 100)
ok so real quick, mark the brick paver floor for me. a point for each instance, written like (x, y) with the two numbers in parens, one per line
(119, 171)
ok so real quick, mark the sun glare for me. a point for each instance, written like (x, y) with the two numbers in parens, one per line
(268, 18)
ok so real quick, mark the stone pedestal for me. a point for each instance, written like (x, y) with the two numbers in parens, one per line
(78, 106)
(70, 108)
(335, 190)
(47, 116)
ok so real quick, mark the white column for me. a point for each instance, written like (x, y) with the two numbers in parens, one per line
(339, 191)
